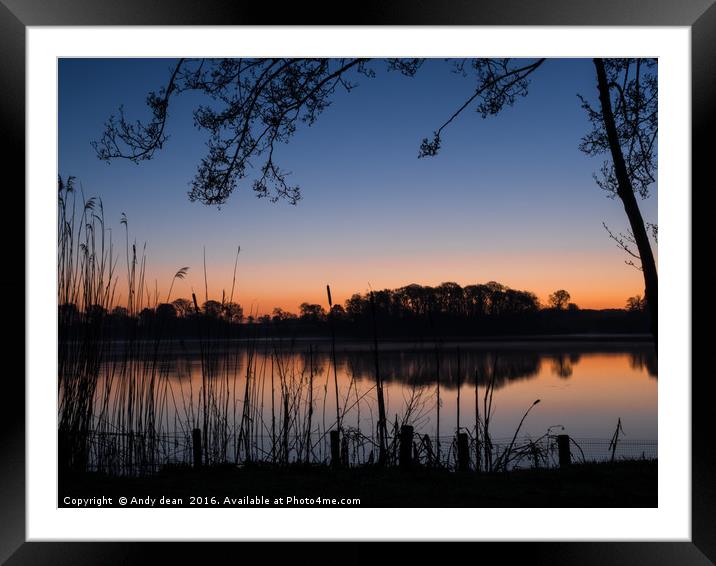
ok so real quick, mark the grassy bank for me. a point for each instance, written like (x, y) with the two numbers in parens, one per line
(622, 484)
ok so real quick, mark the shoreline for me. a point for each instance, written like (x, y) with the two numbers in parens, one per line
(508, 339)
(625, 483)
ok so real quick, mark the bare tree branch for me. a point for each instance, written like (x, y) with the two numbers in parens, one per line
(498, 85)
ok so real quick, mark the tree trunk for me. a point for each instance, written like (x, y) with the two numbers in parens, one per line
(631, 207)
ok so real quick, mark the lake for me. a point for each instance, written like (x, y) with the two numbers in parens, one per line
(584, 388)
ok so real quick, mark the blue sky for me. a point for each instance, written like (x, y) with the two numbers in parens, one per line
(509, 198)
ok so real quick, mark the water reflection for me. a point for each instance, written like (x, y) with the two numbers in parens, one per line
(643, 360)
(448, 366)
(582, 387)
(563, 364)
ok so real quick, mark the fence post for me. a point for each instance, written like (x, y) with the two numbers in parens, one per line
(344, 451)
(406, 446)
(196, 442)
(335, 449)
(565, 458)
(463, 452)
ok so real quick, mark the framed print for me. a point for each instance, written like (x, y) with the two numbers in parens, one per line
(376, 282)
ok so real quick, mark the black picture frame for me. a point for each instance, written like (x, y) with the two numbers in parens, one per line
(16, 15)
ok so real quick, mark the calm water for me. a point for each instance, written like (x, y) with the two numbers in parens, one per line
(583, 387)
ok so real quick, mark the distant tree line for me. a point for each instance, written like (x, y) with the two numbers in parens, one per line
(258, 104)
(415, 310)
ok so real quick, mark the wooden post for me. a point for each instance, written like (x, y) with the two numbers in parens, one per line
(335, 449)
(196, 442)
(344, 450)
(406, 446)
(565, 458)
(463, 452)
(478, 453)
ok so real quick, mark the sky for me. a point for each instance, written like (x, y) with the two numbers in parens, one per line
(509, 198)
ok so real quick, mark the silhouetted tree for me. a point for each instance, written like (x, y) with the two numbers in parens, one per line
(255, 105)
(212, 309)
(445, 300)
(635, 304)
(450, 298)
(496, 293)
(312, 312)
(477, 300)
(146, 316)
(414, 310)
(280, 315)
(338, 312)
(559, 299)
(355, 306)
(119, 312)
(258, 103)
(95, 313)
(624, 126)
(166, 312)
(184, 307)
(233, 312)
(414, 299)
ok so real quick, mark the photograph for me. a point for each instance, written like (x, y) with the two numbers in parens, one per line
(357, 282)
(388, 280)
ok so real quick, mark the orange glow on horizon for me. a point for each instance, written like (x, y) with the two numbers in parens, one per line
(596, 281)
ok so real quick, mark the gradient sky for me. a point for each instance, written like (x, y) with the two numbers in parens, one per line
(509, 198)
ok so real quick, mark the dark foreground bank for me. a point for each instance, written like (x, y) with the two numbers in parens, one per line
(622, 484)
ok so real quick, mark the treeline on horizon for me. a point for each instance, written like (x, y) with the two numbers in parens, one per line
(413, 311)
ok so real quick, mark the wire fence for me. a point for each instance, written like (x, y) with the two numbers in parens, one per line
(601, 450)
(118, 453)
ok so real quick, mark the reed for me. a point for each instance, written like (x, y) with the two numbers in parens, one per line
(129, 406)
(382, 424)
